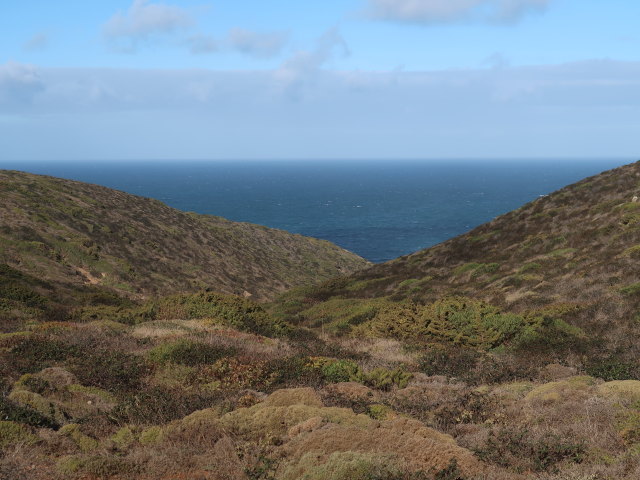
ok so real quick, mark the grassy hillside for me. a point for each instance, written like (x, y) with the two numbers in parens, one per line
(508, 353)
(66, 232)
(558, 277)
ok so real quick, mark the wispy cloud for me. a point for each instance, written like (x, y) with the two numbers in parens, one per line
(37, 42)
(144, 20)
(19, 83)
(303, 67)
(585, 108)
(257, 44)
(449, 11)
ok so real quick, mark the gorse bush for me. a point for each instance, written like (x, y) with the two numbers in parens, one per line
(226, 310)
(341, 371)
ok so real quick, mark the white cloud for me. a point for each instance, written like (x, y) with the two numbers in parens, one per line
(19, 84)
(305, 65)
(257, 44)
(586, 108)
(446, 11)
(144, 20)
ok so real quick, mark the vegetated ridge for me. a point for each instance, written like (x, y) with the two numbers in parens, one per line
(508, 353)
(559, 275)
(64, 231)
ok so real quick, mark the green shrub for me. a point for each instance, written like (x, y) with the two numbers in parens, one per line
(341, 371)
(12, 433)
(292, 371)
(612, 369)
(450, 472)
(385, 379)
(633, 289)
(11, 411)
(187, 352)
(226, 310)
(530, 267)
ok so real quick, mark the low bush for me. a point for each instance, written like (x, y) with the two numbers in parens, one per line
(613, 369)
(32, 353)
(449, 360)
(341, 371)
(158, 405)
(519, 449)
(385, 379)
(187, 352)
(13, 412)
(111, 370)
(292, 372)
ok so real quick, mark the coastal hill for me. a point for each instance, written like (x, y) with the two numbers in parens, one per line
(68, 232)
(508, 353)
(572, 255)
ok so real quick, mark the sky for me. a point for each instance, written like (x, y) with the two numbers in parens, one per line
(335, 79)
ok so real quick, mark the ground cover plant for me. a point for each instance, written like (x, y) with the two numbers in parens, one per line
(504, 354)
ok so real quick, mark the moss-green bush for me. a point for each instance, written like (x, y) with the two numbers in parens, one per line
(12, 411)
(343, 466)
(12, 433)
(226, 310)
(385, 379)
(341, 371)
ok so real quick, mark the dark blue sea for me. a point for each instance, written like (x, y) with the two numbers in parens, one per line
(379, 209)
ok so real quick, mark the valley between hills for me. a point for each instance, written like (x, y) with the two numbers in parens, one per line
(141, 342)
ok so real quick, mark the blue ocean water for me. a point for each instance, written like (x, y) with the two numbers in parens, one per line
(379, 209)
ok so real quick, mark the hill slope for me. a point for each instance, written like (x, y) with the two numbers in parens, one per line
(572, 255)
(64, 231)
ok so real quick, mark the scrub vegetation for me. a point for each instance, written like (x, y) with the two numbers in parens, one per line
(507, 353)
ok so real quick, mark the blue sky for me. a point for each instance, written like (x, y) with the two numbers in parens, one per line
(146, 79)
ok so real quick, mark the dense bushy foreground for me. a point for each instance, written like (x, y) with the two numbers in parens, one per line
(206, 386)
(508, 353)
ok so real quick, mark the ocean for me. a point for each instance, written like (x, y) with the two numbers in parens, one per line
(379, 209)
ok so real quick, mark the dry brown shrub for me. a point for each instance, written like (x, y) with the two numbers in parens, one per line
(350, 392)
(421, 448)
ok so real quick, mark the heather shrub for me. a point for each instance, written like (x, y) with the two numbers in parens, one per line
(159, 405)
(32, 353)
(111, 370)
(613, 369)
(449, 360)
(11, 411)
(187, 352)
(521, 450)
